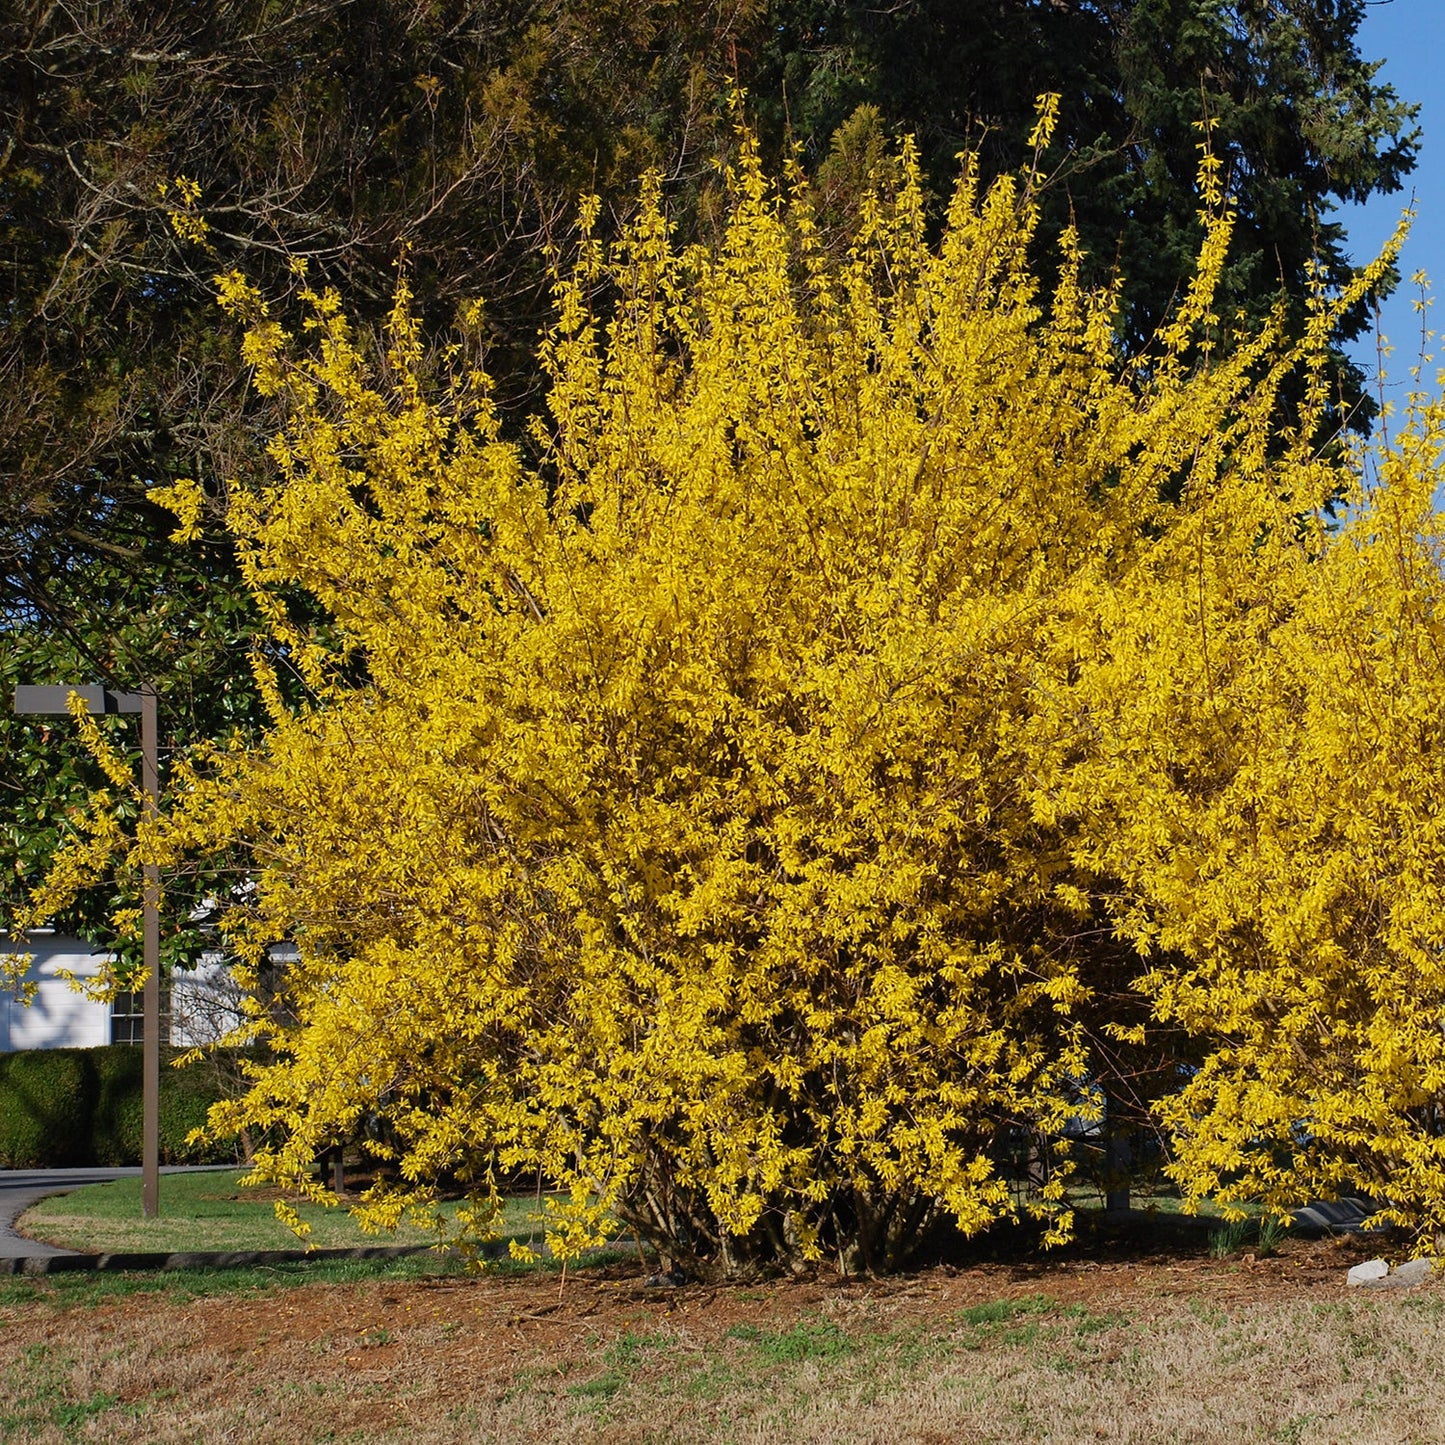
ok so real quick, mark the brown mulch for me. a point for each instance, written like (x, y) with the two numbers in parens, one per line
(493, 1324)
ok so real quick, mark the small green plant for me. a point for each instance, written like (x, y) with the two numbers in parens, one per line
(997, 1312)
(604, 1387)
(627, 1350)
(1264, 1234)
(1229, 1238)
(1002, 1322)
(76, 1412)
(1271, 1233)
(1085, 1322)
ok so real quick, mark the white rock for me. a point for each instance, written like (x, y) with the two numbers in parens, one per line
(1417, 1271)
(1367, 1273)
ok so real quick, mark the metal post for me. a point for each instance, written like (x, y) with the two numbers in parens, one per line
(33, 699)
(151, 927)
(1118, 1158)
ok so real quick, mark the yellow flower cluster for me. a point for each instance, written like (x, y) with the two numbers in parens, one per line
(730, 805)
(1274, 786)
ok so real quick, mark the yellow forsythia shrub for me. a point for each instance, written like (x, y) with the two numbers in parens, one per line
(1268, 785)
(774, 793)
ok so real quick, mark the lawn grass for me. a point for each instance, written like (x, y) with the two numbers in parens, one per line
(90, 1289)
(1151, 1199)
(214, 1211)
(1137, 1338)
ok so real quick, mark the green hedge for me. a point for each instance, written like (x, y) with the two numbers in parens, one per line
(74, 1107)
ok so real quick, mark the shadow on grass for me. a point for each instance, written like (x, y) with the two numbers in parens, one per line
(1135, 1236)
(179, 1286)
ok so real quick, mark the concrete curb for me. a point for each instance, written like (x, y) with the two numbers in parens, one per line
(45, 1264)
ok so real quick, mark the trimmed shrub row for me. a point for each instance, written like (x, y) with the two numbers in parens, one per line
(68, 1108)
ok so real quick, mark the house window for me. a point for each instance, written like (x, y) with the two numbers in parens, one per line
(127, 1017)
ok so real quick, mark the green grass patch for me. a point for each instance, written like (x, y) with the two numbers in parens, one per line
(1083, 1321)
(87, 1289)
(604, 1387)
(1003, 1322)
(213, 1211)
(622, 1358)
(1149, 1197)
(997, 1312)
(820, 1340)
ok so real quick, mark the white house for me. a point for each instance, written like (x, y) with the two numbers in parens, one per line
(198, 1007)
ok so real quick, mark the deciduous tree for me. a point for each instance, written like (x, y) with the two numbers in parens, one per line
(144, 148)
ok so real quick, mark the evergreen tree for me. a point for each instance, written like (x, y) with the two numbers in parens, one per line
(1299, 119)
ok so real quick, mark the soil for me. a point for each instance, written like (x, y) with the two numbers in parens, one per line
(473, 1328)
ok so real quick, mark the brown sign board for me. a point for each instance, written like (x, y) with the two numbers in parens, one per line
(56, 699)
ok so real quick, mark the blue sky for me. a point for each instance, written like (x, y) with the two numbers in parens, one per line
(1409, 36)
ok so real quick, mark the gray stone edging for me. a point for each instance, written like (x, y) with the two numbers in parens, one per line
(44, 1264)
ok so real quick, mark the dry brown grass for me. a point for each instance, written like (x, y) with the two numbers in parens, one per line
(1146, 1350)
